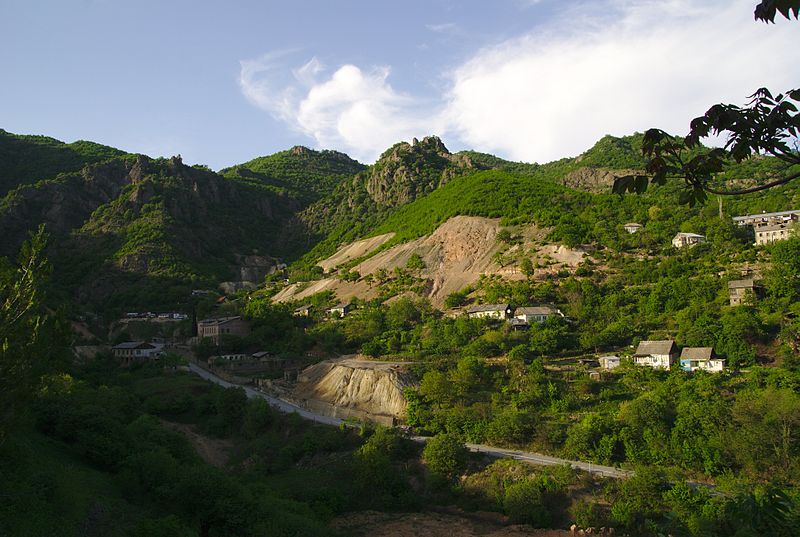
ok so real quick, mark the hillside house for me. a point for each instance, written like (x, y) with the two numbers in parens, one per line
(536, 314)
(687, 239)
(214, 329)
(339, 310)
(132, 352)
(490, 311)
(767, 219)
(701, 358)
(770, 227)
(609, 362)
(773, 233)
(656, 354)
(632, 227)
(742, 291)
(303, 311)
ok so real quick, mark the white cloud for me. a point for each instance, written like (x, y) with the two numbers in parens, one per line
(553, 94)
(444, 27)
(610, 67)
(353, 110)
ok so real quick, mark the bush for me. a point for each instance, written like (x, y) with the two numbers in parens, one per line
(446, 455)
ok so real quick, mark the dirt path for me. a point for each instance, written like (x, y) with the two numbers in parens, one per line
(212, 450)
(430, 524)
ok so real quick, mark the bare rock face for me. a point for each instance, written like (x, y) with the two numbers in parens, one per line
(407, 171)
(598, 180)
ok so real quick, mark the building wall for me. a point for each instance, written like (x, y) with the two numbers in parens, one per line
(488, 314)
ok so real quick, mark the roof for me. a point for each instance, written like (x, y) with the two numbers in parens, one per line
(774, 227)
(536, 310)
(632, 224)
(304, 307)
(519, 322)
(487, 307)
(741, 284)
(134, 345)
(697, 353)
(764, 215)
(219, 320)
(613, 357)
(690, 235)
(339, 307)
(666, 346)
(261, 354)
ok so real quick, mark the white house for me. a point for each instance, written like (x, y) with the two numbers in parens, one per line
(136, 351)
(536, 314)
(687, 239)
(656, 354)
(702, 358)
(339, 310)
(490, 311)
(609, 362)
(770, 234)
(632, 227)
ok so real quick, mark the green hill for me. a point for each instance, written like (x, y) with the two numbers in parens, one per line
(305, 173)
(27, 159)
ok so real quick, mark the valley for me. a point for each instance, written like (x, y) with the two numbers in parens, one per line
(485, 305)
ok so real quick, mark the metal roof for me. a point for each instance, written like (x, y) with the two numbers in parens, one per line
(697, 353)
(666, 346)
(219, 320)
(741, 284)
(487, 307)
(134, 345)
(536, 310)
(764, 215)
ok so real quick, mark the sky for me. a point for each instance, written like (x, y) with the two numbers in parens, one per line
(221, 83)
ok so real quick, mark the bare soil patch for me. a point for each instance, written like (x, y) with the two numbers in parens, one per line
(212, 450)
(436, 524)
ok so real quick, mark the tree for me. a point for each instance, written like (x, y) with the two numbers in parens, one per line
(30, 337)
(446, 455)
(767, 125)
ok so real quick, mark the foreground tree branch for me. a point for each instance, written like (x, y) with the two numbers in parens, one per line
(767, 126)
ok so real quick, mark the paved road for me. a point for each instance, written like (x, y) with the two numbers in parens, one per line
(279, 404)
(538, 459)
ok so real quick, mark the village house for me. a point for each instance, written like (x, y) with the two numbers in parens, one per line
(773, 233)
(214, 329)
(632, 227)
(339, 310)
(687, 239)
(303, 311)
(770, 227)
(767, 219)
(656, 354)
(132, 352)
(609, 362)
(742, 291)
(536, 314)
(490, 311)
(701, 358)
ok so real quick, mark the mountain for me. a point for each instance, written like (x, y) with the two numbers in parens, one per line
(306, 174)
(128, 231)
(134, 231)
(27, 159)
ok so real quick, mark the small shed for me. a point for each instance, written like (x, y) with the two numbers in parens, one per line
(609, 362)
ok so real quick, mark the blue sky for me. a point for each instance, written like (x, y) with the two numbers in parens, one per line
(532, 80)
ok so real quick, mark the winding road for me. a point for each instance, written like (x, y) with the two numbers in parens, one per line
(538, 459)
